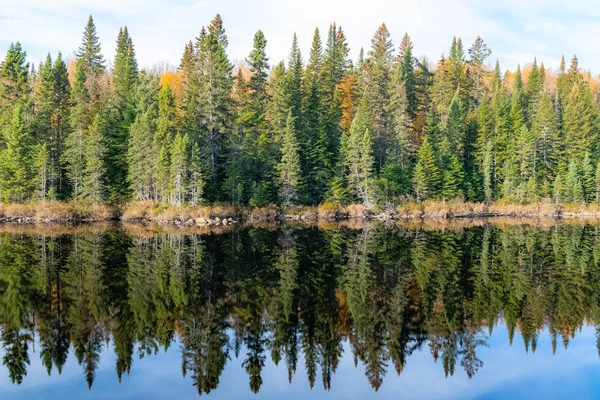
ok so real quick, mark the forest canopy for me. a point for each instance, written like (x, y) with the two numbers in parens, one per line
(383, 129)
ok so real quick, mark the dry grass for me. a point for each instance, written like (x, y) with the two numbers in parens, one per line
(54, 211)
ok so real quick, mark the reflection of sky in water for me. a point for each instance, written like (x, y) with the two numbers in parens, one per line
(508, 372)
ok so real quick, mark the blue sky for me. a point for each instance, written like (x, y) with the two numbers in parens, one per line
(516, 30)
(508, 372)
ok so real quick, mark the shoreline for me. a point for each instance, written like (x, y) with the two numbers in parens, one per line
(224, 214)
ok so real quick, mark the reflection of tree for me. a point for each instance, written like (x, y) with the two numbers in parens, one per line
(16, 358)
(296, 293)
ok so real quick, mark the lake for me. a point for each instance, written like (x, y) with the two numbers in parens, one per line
(503, 309)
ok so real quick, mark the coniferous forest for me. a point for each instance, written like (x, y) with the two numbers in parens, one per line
(384, 129)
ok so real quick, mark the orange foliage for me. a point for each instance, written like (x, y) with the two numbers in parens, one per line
(346, 92)
(175, 81)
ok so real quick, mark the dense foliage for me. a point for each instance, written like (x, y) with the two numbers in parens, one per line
(384, 129)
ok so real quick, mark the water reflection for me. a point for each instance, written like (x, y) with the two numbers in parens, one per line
(301, 298)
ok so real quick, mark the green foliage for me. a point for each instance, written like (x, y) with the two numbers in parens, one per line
(17, 177)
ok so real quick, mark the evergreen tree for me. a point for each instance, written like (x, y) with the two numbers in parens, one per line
(179, 169)
(375, 84)
(517, 106)
(289, 167)
(488, 171)
(359, 157)
(214, 99)
(42, 170)
(478, 53)
(90, 52)
(547, 140)
(17, 179)
(588, 178)
(143, 152)
(427, 179)
(580, 123)
(60, 126)
(597, 183)
(92, 185)
(14, 80)
(80, 119)
(451, 170)
(125, 77)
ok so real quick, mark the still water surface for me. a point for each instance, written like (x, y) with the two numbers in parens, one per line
(487, 311)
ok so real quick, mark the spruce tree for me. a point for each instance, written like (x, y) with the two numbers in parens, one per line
(580, 123)
(179, 169)
(74, 157)
(359, 158)
(214, 101)
(403, 144)
(478, 53)
(427, 178)
(597, 183)
(42, 169)
(125, 78)
(588, 178)
(90, 51)
(17, 178)
(517, 106)
(93, 184)
(14, 79)
(451, 170)
(547, 140)
(376, 79)
(289, 166)
(488, 171)
(61, 126)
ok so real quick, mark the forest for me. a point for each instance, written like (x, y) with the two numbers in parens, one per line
(304, 299)
(381, 130)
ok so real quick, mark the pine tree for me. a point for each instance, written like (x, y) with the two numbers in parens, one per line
(61, 126)
(17, 179)
(426, 177)
(546, 135)
(451, 170)
(574, 185)
(597, 183)
(588, 178)
(359, 158)
(403, 144)
(580, 123)
(406, 72)
(289, 166)
(455, 127)
(535, 88)
(293, 83)
(259, 67)
(179, 169)
(375, 84)
(125, 78)
(93, 186)
(196, 181)
(80, 119)
(485, 134)
(214, 100)
(90, 51)
(517, 106)
(143, 152)
(488, 171)
(42, 170)
(14, 79)
(478, 53)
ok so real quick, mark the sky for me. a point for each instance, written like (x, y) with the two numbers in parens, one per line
(507, 373)
(515, 30)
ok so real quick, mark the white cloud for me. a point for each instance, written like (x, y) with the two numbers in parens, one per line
(515, 30)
